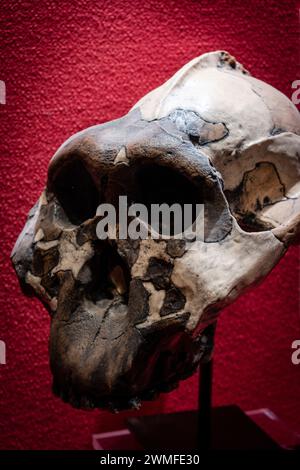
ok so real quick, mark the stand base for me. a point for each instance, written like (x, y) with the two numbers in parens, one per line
(231, 429)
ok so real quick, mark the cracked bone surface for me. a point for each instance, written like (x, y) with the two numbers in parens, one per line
(130, 318)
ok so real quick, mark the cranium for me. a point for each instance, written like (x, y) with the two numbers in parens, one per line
(130, 318)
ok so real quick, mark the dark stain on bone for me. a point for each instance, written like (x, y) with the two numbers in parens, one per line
(129, 250)
(49, 215)
(176, 248)
(276, 130)
(200, 131)
(50, 282)
(69, 295)
(158, 272)
(164, 323)
(87, 232)
(173, 302)
(229, 62)
(44, 260)
(259, 188)
(138, 306)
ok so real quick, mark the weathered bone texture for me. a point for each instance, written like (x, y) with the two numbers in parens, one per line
(129, 319)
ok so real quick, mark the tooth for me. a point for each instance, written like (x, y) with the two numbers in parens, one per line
(118, 279)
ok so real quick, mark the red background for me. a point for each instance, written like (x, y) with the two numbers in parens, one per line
(68, 66)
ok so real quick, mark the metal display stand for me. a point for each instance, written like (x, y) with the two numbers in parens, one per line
(204, 429)
(225, 427)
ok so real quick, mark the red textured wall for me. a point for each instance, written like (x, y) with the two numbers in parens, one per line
(68, 65)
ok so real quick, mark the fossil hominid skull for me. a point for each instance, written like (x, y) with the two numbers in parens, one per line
(132, 317)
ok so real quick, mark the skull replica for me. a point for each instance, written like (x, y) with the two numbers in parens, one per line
(130, 318)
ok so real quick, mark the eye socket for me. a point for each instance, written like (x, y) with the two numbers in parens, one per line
(75, 190)
(159, 184)
(163, 185)
(149, 184)
(153, 184)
